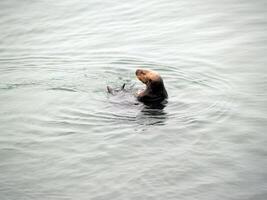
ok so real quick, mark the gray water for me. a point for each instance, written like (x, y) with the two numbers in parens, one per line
(63, 137)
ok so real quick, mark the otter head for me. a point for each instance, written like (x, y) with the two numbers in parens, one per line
(147, 76)
(153, 81)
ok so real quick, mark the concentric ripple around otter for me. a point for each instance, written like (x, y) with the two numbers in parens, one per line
(194, 95)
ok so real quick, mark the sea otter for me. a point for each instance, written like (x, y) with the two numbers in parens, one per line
(155, 91)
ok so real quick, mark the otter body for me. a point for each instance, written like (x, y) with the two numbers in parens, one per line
(155, 91)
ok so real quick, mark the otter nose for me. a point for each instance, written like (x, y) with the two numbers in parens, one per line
(137, 72)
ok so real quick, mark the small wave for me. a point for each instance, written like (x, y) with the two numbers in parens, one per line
(63, 89)
(16, 85)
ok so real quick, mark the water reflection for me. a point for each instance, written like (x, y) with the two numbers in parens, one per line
(152, 115)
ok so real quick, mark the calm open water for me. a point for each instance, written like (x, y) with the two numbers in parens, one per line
(63, 137)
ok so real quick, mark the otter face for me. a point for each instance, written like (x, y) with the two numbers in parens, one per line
(146, 76)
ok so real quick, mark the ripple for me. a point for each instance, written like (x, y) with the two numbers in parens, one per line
(63, 89)
(195, 94)
(16, 85)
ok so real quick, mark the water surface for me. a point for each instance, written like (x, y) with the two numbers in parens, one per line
(63, 137)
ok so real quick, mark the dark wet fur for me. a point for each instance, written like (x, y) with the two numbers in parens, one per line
(154, 94)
